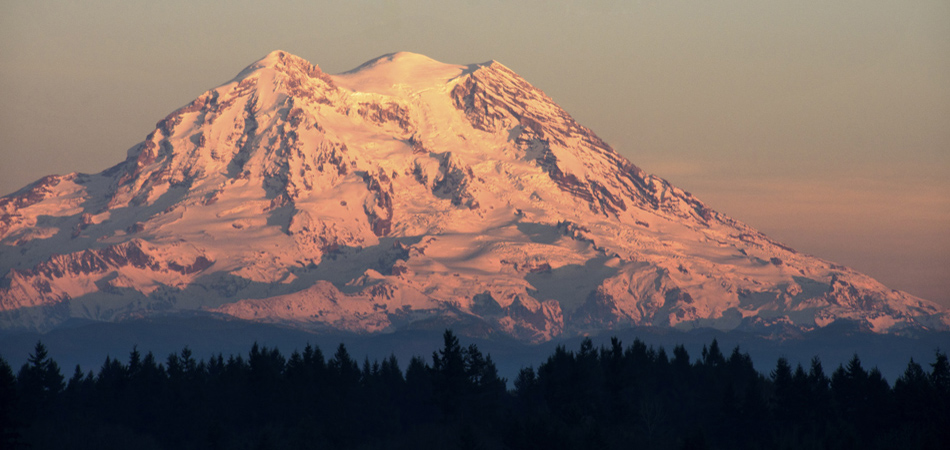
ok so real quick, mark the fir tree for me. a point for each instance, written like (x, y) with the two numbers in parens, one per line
(39, 379)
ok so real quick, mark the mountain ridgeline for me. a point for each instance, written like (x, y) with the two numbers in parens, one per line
(405, 193)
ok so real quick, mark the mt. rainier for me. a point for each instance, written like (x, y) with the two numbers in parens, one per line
(405, 193)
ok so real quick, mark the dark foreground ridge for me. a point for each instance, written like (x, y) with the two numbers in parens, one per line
(599, 398)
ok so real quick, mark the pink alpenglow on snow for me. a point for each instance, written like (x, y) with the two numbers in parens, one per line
(405, 190)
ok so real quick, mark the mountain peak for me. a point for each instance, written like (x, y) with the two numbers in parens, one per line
(397, 58)
(275, 57)
(281, 61)
(404, 190)
(392, 72)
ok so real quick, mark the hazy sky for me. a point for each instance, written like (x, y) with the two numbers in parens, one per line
(825, 124)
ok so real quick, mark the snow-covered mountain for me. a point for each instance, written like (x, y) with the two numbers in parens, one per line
(405, 193)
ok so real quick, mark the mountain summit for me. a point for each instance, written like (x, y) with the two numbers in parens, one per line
(405, 193)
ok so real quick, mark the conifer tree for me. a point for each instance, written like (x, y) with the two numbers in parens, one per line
(914, 393)
(940, 382)
(784, 393)
(940, 374)
(40, 379)
(9, 423)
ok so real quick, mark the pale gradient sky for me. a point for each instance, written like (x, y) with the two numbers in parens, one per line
(825, 124)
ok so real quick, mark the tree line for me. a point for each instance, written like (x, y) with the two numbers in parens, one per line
(599, 398)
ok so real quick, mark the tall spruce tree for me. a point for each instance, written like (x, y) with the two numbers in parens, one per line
(39, 379)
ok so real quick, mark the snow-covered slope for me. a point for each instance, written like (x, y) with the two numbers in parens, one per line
(402, 193)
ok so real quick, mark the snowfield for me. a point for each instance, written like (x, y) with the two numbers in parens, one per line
(405, 190)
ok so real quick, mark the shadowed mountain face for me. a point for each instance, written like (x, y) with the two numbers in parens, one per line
(405, 194)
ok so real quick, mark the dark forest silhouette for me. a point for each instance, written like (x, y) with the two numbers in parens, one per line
(598, 398)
